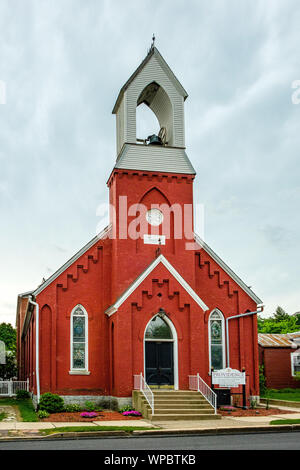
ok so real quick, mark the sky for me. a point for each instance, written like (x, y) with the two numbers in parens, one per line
(62, 64)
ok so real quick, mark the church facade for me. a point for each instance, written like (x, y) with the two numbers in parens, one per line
(146, 295)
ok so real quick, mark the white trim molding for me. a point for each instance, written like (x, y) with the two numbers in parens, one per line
(174, 340)
(227, 269)
(160, 259)
(72, 260)
(295, 355)
(84, 370)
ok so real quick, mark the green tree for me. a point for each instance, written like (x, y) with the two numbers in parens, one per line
(8, 335)
(280, 315)
(279, 322)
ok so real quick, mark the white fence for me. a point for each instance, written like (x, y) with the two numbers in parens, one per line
(9, 388)
(197, 383)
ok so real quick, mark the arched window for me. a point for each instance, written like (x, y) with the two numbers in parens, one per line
(158, 329)
(216, 340)
(79, 339)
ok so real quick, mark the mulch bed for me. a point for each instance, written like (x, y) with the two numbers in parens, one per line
(254, 412)
(75, 417)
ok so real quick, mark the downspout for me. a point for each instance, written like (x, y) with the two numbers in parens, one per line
(37, 368)
(227, 329)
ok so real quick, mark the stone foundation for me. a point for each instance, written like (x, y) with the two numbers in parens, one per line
(110, 401)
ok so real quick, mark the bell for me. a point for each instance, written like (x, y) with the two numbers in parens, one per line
(154, 140)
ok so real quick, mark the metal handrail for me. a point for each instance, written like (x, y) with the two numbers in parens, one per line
(141, 384)
(197, 383)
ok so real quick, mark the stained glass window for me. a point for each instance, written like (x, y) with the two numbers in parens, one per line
(216, 340)
(79, 355)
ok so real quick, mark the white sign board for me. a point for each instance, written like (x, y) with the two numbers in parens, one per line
(154, 239)
(229, 378)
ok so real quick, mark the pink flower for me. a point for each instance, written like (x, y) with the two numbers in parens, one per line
(131, 413)
(87, 414)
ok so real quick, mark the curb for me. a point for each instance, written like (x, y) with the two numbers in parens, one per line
(160, 432)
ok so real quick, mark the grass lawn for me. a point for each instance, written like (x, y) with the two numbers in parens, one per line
(288, 394)
(25, 406)
(2, 416)
(285, 421)
(129, 429)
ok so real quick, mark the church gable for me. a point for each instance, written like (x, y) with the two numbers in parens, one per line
(170, 274)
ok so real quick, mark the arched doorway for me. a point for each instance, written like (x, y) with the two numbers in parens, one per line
(160, 347)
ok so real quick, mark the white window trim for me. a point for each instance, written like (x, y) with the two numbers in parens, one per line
(223, 337)
(296, 353)
(84, 370)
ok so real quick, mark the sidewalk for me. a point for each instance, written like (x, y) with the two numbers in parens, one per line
(16, 430)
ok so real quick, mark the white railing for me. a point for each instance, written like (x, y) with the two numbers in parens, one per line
(196, 383)
(10, 387)
(140, 383)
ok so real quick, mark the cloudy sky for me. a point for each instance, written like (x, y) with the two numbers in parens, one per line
(62, 64)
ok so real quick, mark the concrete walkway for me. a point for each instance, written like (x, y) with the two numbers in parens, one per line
(17, 429)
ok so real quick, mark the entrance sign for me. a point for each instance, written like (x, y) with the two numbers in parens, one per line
(228, 378)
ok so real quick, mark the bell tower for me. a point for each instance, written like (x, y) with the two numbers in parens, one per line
(152, 174)
(154, 84)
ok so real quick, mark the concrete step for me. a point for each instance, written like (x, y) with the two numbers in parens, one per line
(184, 411)
(179, 393)
(182, 417)
(182, 406)
(178, 405)
(177, 402)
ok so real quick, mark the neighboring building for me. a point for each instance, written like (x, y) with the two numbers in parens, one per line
(155, 302)
(280, 356)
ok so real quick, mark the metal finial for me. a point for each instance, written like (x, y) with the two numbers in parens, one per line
(153, 41)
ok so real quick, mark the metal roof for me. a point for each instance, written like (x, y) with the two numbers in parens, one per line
(277, 340)
(154, 158)
(153, 51)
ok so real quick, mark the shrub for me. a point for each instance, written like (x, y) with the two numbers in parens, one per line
(114, 404)
(253, 404)
(42, 414)
(90, 406)
(262, 380)
(22, 394)
(51, 403)
(72, 408)
(126, 408)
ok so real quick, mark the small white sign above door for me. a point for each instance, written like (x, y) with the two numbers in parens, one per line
(154, 239)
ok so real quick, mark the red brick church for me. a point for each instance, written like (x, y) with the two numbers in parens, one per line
(146, 295)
